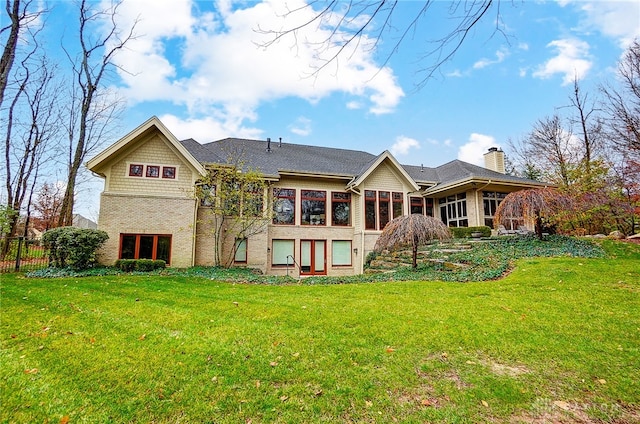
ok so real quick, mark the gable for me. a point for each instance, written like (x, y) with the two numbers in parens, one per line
(103, 160)
(153, 155)
(384, 177)
(385, 164)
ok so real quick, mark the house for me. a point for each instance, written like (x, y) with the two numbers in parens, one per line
(327, 206)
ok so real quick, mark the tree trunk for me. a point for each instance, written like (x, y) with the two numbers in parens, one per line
(9, 52)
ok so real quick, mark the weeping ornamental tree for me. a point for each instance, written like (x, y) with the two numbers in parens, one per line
(411, 230)
(539, 205)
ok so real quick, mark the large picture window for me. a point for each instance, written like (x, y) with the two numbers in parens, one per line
(282, 252)
(313, 204)
(340, 209)
(490, 202)
(428, 207)
(284, 206)
(370, 218)
(453, 210)
(341, 253)
(417, 205)
(397, 204)
(206, 194)
(145, 246)
(384, 207)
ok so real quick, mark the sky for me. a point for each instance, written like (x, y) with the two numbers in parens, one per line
(205, 69)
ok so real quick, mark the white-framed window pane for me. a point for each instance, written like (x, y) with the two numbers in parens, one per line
(341, 252)
(280, 252)
(241, 250)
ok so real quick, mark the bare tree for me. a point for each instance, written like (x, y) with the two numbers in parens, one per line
(622, 101)
(47, 205)
(235, 200)
(537, 205)
(349, 21)
(96, 108)
(30, 126)
(549, 146)
(589, 123)
(20, 16)
(412, 230)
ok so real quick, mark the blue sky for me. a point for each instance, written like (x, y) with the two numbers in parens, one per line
(200, 67)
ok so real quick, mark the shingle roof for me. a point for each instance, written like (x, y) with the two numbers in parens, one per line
(457, 170)
(298, 158)
(282, 157)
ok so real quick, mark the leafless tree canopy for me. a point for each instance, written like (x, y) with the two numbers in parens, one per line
(411, 230)
(532, 205)
(20, 16)
(623, 101)
(350, 20)
(92, 110)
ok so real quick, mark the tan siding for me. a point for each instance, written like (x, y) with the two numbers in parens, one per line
(384, 178)
(153, 151)
(148, 215)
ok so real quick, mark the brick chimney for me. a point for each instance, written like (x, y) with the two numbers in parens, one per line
(494, 160)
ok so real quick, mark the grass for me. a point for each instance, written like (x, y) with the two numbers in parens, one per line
(557, 339)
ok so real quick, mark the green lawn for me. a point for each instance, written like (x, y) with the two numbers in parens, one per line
(557, 339)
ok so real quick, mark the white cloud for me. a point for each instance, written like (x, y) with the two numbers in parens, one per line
(475, 148)
(302, 126)
(403, 145)
(619, 20)
(500, 56)
(571, 60)
(207, 129)
(214, 64)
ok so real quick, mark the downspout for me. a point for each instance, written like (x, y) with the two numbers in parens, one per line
(194, 235)
(362, 257)
(351, 187)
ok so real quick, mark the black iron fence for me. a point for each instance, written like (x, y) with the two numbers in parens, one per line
(19, 254)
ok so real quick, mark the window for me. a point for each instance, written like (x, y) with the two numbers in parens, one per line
(453, 210)
(384, 207)
(284, 206)
(429, 207)
(207, 194)
(282, 252)
(135, 170)
(240, 255)
(313, 204)
(169, 172)
(417, 205)
(370, 209)
(341, 209)
(490, 201)
(153, 171)
(253, 200)
(397, 204)
(145, 246)
(341, 252)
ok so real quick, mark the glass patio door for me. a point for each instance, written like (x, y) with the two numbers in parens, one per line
(313, 257)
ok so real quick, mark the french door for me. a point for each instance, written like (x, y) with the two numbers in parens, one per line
(313, 257)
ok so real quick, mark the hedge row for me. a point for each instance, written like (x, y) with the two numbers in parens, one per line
(141, 265)
(465, 232)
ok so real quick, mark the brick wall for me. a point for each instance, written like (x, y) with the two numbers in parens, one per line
(148, 215)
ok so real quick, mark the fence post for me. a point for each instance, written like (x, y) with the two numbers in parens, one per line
(19, 254)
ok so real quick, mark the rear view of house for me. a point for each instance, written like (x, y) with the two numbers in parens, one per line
(323, 208)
